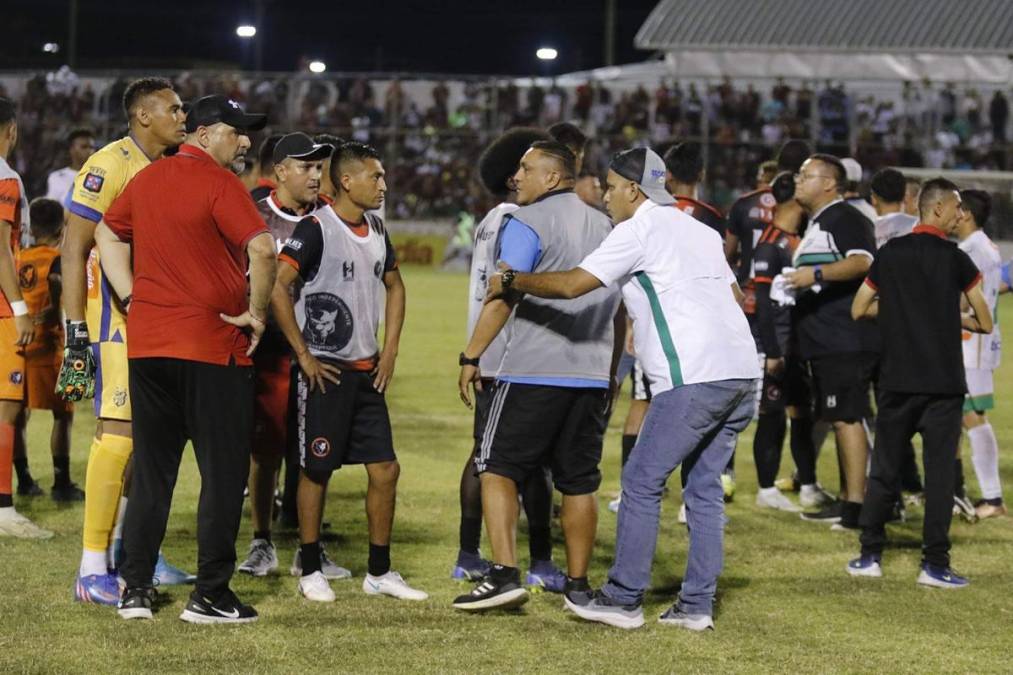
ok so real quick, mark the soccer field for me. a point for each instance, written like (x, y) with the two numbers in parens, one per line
(784, 600)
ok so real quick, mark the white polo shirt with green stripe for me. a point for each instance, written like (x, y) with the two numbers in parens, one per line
(676, 284)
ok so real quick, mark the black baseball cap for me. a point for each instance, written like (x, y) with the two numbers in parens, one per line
(300, 146)
(214, 109)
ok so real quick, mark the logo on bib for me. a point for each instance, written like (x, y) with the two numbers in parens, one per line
(329, 322)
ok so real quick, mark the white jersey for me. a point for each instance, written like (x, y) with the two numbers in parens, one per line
(864, 207)
(893, 225)
(483, 264)
(676, 284)
(982, 351)
(59, 183)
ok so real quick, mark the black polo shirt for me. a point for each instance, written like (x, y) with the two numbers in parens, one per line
(823, 319)
(920, 279)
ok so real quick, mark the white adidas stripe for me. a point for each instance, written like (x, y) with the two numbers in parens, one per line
(495, 410)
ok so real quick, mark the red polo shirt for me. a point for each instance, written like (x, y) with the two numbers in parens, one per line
(189, 221)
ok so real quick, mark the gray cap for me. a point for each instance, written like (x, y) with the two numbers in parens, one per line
(644, 167)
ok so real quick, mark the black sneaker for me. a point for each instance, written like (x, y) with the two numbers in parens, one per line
(67, 493)
(493, 594)
(30, 488)
(577, 592)
(831, 513)
(226, 609)
(136, 602)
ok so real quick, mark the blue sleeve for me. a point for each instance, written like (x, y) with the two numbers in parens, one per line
(519, 246)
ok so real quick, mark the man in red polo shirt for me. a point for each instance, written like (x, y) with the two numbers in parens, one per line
(192, 231)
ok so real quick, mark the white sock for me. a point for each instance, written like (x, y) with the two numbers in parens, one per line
(812, 487)
(769, 492)
(117, 533)
(93, 562)
(7, 512)
(985, 456)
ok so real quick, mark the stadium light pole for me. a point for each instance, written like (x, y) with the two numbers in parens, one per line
(72, 34)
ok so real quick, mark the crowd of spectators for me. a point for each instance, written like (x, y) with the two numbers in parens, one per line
(431, 140)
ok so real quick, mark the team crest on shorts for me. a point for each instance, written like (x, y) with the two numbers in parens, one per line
(320, 447)
(120, 398)
(16, 377)
(328, 322)
(773, 393)
(831, 401)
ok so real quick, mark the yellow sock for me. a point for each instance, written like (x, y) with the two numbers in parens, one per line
(107, 461)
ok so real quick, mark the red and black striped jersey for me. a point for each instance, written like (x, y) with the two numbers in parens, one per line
(705, 213)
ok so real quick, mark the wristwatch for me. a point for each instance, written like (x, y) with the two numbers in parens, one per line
(818, 274)
(463, 360)
(508, 278)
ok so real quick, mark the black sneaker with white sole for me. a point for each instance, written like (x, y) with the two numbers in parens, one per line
(494, 592)
(226, 609)
(136, 602)
(831, 513)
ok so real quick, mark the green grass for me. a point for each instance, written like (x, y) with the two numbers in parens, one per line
(785, 603)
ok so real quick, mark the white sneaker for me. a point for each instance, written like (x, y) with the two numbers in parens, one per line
(330, 569)
(682, 514)
(614, 504)
(814, 496)
(13, 524)
(262, 559)
(315, 587)
(771, 498)
(393, 585)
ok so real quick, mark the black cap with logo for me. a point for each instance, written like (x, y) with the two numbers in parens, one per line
(214, 109)
(300, 146)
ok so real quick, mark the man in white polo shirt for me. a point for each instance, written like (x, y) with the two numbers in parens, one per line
(697, 351)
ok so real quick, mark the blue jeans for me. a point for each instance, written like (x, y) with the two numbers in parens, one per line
(696, 424)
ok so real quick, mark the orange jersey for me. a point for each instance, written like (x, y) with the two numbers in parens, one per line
(34, 268)
(13, 210)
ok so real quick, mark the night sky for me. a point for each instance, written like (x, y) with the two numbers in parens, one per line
(454, 36)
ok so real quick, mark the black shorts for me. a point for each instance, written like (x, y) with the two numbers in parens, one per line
(641, 389)
(841, 386)
(531, 426)
(346, 424)
(483, 400)
(790, 388)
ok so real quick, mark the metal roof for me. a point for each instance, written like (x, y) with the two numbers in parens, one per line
(974, 27)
